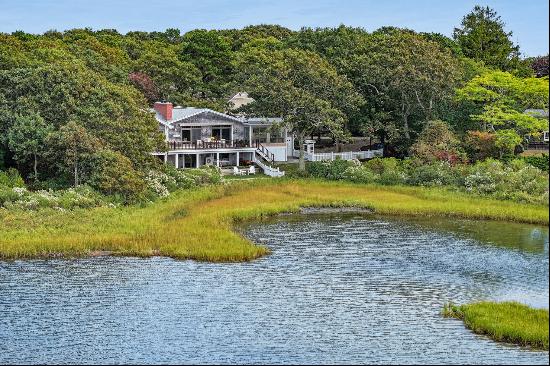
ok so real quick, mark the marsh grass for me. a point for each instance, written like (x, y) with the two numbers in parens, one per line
(510, 322)
(199, 224)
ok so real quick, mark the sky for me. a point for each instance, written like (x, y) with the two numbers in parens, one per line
(528, 19)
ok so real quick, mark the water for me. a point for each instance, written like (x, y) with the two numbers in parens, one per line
(337, 289)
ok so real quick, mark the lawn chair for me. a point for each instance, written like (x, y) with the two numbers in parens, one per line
(252, 170)
(237, 171)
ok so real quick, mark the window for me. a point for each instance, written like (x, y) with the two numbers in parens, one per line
(221, 132)
(190, 133)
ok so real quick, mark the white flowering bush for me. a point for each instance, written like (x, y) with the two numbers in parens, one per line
(64, 199)
(359, 174)
(162, 183)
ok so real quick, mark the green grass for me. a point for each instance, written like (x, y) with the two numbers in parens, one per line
(510, 322)
(199, 224)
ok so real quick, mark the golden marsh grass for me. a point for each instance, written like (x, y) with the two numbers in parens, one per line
(199, 224)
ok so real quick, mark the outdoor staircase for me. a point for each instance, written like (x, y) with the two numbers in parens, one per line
(264, 159)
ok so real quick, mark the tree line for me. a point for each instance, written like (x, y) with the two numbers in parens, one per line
(73, 104)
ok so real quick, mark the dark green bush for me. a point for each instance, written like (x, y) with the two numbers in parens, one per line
(538, 161)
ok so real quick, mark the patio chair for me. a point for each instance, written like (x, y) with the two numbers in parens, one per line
(252, 170)
(236, 171)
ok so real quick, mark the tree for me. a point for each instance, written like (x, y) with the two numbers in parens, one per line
(540, 66)
(176, 80)
(502, 99)
(406, 81)
(482, 37)
(144, 84)
(298, 86)
(211, 54)
(437, 142)
(71, 147)
(26, 139)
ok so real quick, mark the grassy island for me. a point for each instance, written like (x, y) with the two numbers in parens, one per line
(510, 322)
(199, 224)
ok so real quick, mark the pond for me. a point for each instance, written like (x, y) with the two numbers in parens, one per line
(337, 289)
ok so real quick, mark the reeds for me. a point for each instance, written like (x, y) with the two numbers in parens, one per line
(199, 224)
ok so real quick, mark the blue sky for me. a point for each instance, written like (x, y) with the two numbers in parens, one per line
(528, 19)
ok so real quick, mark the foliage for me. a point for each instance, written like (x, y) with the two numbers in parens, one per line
(510, 322)
(11, 179)
(540, 66)
(437, 142)
(480, 145)
(26, 139)
(298, 86)
(502, 100)
(19, 198)
(332, 170)
(114, 175)
(515, 181)
(482, 37)
(538, 161)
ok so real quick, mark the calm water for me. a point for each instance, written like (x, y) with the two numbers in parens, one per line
(344, 289)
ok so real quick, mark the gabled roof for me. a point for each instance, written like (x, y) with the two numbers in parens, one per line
(180, 114)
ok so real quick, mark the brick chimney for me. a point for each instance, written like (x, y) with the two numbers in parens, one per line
(164, 108)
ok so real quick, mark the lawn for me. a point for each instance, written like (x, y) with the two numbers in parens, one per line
(199, 224)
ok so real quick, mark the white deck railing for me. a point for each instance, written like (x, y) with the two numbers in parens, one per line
(268, 170)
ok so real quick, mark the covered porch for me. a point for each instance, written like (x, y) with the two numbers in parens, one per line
(196, 159)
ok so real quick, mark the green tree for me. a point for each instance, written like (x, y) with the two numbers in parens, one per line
(501, 100)
(26, 139)
(211, 54)
(406, 81)
(299, 86)
(482, 37)
(72, 147)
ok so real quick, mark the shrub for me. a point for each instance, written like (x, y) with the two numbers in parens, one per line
(115, 175)
(332, 170)
(516, 180)
(72, 198)
(381, 165)
(437, 142)
(436, 174)
(11, 178)
(359, 174)
(480, 145)
(538, 161)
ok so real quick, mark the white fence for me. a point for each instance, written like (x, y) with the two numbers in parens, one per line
(349, 155)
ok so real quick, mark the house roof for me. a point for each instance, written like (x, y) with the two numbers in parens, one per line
(181, 113)
(537, 112)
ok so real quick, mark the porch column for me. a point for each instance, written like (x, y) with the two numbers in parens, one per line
(218, 159)
(165, 157)
(238, 158)
(267, 137)
(177, 161)
(198, 160)
(250, 135)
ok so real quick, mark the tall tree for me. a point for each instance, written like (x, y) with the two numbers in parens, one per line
(299, 86)
(26, 139)
(502, 100)
(482, 37)
(406, 81)
(70, 147)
